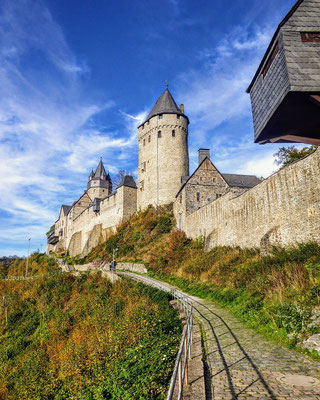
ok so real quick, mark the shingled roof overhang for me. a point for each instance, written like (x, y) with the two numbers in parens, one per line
(286, 18)
(164, 105)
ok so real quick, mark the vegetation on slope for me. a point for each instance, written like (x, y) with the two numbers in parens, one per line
(278, 294)
(79, 337)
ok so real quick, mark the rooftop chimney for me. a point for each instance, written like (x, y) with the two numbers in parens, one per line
(202, 154)
(182, 108)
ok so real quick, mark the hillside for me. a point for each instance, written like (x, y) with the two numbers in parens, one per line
(65, 336)
(277, 294)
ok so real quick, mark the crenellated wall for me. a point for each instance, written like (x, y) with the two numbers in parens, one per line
(283, 209)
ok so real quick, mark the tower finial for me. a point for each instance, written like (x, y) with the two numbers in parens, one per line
(166, 81)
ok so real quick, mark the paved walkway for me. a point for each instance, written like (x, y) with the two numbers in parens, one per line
(244, 365)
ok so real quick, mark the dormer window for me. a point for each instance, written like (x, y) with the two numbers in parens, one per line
(313, 37)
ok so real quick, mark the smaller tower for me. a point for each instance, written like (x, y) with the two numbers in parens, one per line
(99, 183)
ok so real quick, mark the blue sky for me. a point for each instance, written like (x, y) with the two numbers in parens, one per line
(77, 77)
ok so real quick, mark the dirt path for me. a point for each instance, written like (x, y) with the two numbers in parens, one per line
(244, 365)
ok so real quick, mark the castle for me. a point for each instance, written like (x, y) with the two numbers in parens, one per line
(163, 178)
(224, 209)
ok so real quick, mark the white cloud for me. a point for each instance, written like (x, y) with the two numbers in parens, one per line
(218, 106)
(47, 137)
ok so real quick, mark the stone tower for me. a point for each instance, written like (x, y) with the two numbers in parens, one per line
(99, 183)
(163, 152)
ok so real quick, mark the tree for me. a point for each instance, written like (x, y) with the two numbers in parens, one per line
(118, 178)
(288, 155)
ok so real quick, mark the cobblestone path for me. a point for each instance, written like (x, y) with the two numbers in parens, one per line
(243, 364)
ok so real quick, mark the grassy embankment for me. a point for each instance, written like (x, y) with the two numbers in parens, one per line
(276, 294)
(80, 337)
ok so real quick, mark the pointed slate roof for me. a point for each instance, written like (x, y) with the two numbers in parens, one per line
(66, 209)
(100, 170)
(165, 105)
(128, 181)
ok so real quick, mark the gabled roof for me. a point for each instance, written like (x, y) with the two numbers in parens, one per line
(165, 105)
(244, 181)
(194, 172)
(233, 180)
(66, 209)
(286, 18)
(100, 170)
(128, 181)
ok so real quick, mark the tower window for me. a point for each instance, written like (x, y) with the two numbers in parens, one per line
(218, 196)
(178, 116)
(159, 134)
(142, 126)
(173, 133)
(198, 196)
(149, 138)
(144, 142)
(213, 180)
(160, 116)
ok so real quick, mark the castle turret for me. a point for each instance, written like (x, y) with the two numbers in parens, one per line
(99, 184)
(163, 152)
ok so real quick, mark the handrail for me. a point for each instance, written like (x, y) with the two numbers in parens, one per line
(181, 367)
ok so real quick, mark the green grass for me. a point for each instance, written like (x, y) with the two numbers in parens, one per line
(274, 320)
(83, 338)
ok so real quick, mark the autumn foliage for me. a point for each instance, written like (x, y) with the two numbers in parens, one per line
(79, 337)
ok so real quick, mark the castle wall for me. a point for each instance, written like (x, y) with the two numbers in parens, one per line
(283, 209)
(90, 228)
(162, 160)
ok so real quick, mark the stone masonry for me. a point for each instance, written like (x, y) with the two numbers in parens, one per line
(282, 210)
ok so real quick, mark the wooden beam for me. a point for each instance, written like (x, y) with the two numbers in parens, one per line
(315, 98)
(296, 139)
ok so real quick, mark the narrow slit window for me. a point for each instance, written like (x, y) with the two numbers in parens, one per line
(198, 196)
(160, 116)
(159, 134)
(149, 138)
(173, 133)
(178, 116)
(144, 142)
